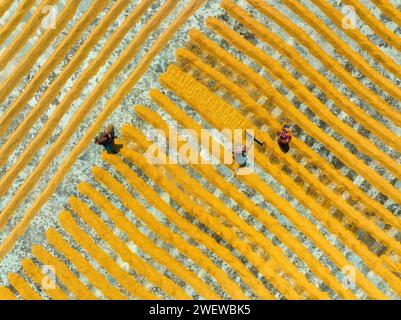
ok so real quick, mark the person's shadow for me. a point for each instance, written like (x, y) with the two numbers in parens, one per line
(284, 147)
(116, 148)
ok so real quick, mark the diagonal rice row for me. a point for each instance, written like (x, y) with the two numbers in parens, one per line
(375, 24)
(387, 8)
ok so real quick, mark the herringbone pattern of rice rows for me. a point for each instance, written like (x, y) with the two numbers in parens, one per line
(41, 138)
(350, 217)
(140, 230)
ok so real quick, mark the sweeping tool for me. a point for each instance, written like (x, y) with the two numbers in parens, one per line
(254, 139)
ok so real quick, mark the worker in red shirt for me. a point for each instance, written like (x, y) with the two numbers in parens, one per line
(106, 139)
(284, 138)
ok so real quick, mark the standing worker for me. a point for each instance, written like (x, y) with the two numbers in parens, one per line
(284, 138)
(240, 155)
(106, 139)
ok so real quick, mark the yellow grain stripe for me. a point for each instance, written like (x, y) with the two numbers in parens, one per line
(375, 24)
(389, 10)
(36, 275)
(393, 266)
(397, 267)
(314, 104)
(313, 75)
(230, 286)
(162, 256)
(58, 55)
(359, 38)
(37, 50)
(70, 280)
(11, 24)
(182, 80)
(114, 102)
(214, 224)
(191, 91)
(330, 63)
(106, 262)
(83, 266)
(294, 114)
(74, 92)
(313, 157)
(136, 263)
(197, 234)
(210, 173)
(6, 294)
(343, 48)
(4, 6)
(302, 224)
(23, 288)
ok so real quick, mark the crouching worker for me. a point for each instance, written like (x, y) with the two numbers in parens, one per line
(284, 138)
(106, 139)
(240, 157)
